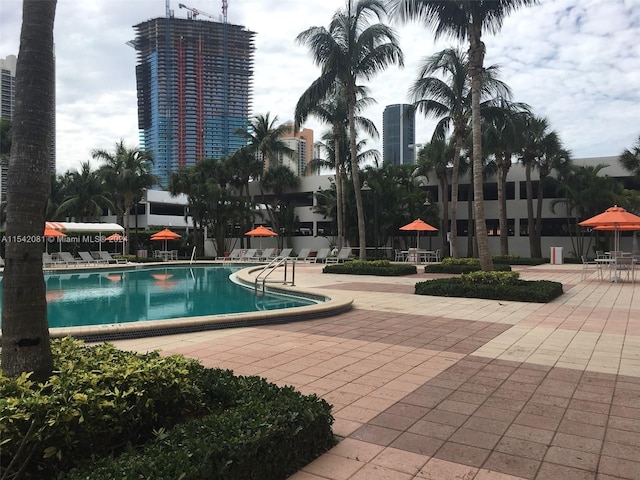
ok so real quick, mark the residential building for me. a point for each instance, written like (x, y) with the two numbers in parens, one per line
(315, 231)
(398, 134)
(7, 106)
(194, 83)
(302, 144)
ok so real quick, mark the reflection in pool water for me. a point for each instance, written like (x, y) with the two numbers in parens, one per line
(120, 296)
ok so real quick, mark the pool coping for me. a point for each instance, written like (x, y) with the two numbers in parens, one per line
(337, 303)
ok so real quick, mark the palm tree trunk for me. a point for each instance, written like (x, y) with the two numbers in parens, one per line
(530, 217)
(339, 190)
(128, 205)
(502, 207)
(25, 335)
(445, 215)
(356, 177)
(476, 59)
(455, 173)
(537, 253)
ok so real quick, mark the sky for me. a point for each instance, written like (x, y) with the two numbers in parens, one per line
(575, 62)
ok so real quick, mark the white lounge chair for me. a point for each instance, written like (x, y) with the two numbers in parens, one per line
(249, 255)
(267, 254)
(106, 256)
(48, 261)
(234, 255)
(69, 259)
(285, 253)
(303, 255)
(88, 259)
(322, 255)
(342, 256)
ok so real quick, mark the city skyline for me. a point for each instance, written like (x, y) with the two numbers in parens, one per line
(573, 61)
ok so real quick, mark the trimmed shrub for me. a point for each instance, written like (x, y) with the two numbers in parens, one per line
(374, 267)
(461, 265)
(100, 401)
(498, 288)
(518, 260)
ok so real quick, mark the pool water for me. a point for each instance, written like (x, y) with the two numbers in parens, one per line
(120, 296)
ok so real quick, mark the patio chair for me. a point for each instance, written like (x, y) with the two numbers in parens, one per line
(48, 261)
(304, 255)
(267, 254)
(586, 264)
(625, 265)
(234, 255)
(106, 256)
(322, 255)
(249, 255)
(69, 259)
(285, 253)
(400, 255)
(343, 255)
(88, 259)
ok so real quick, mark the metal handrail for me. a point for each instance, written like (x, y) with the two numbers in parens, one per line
(270, 268)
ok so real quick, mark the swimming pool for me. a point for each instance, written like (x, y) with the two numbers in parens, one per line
(119, 296)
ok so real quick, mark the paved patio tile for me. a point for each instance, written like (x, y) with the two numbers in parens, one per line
(428, 387)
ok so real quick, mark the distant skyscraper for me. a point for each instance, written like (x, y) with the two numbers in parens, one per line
(7, 105)
(398, 134)
(194, 82)
(302, 144)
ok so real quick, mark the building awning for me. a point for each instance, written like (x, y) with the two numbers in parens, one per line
(85, 227)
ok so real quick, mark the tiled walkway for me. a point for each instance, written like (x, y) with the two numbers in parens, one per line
(440, 388)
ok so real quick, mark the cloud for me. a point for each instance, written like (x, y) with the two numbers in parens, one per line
(575, 62)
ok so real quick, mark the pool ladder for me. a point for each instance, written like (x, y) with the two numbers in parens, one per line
(267, 270)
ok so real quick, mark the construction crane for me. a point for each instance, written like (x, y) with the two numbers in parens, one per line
(195, 12)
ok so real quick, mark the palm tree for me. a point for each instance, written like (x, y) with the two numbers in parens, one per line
(450, 99)
(265, 138)
(540, 148)
(466, 20)
(352, 49)
(86, 195)
(244, 166)
(278, 180)
(334, 110)
(630, 159)
(436, 156)
(25, 334)
(585, 192)
(127, 174)
(501, 139)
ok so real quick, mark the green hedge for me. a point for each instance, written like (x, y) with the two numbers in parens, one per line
(374, 267)
(101, 400)
(462, 265)
(493, 286)
(518, 260)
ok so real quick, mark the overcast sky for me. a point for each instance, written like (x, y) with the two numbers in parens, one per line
(576, 62)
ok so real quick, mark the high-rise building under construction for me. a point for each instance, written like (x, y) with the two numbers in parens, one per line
(194, 81)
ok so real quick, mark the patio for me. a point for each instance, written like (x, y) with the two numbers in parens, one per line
(438, 388)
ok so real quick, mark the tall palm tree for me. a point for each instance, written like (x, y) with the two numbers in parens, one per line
(352, 49)
(448, 96)
(25, 334)
(127, 174)
(466, 20)
(334, 110)
(630, 159)
(244, 166)
(265, 138)
(501, 140)
(540, 148)
(437, 156)
(278, 180)
(86, 195)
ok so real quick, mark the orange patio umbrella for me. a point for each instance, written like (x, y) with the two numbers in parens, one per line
(261, 231)
(165, 235)
(116, 237)
(51, 233)
(614, 218)
(419, 225)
